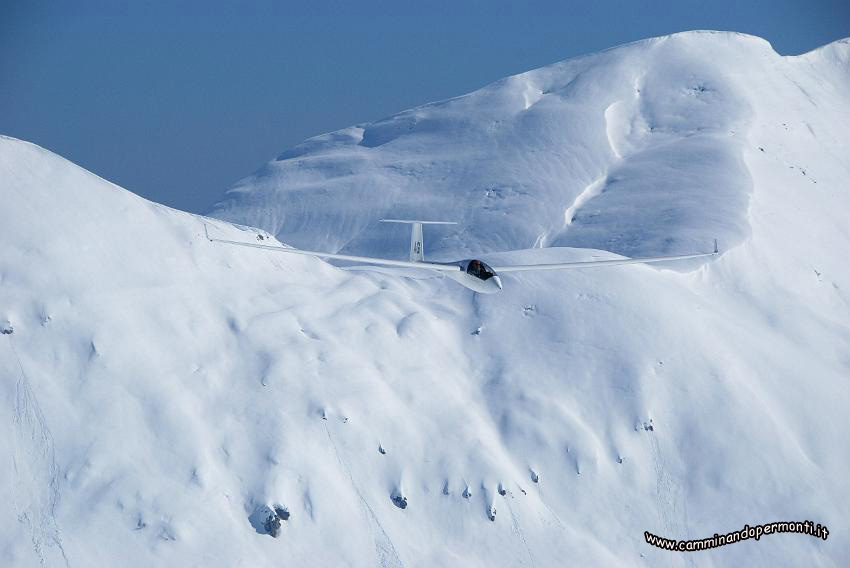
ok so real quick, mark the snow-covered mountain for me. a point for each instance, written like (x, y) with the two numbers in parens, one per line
(642, 149)
(162, 393)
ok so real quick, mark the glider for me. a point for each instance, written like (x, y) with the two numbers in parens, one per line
(472, 273)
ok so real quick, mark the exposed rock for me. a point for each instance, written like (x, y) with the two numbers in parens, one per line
(272, 524)
(281, 512)
(400, 501)
(267, 520)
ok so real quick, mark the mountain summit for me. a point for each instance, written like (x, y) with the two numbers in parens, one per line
(565, 155)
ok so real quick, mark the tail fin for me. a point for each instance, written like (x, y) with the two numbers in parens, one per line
(417, 245)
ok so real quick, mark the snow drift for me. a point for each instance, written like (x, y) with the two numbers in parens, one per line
(639, 149)
(171, 401)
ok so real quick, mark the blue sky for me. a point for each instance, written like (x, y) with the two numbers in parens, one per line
(177, 100)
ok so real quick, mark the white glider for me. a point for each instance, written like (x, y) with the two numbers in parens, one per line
(472, 273)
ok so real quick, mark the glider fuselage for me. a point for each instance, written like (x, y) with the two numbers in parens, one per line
(477, 276)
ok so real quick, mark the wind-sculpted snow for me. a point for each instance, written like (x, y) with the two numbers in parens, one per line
(659, 125)
(177, 402)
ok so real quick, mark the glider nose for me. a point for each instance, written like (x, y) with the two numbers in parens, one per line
(498, 281)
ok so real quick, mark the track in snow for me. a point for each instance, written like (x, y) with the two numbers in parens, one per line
(672, 507)
(36, 474)
(386, 552)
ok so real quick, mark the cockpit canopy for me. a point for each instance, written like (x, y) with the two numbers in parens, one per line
(480, 270)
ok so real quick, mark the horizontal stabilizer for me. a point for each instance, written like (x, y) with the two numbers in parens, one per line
(410, 222)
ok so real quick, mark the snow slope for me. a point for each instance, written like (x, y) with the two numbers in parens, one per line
(565, 155)
(160, 390)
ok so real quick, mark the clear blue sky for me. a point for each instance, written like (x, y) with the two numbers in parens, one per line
(176, 100)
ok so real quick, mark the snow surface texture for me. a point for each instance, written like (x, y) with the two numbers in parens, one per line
(170, 401)
(640, 149)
